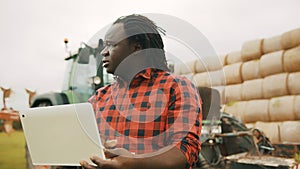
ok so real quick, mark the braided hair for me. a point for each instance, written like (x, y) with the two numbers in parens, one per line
(142, 30)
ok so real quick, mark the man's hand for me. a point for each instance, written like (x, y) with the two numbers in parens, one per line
(166, 158)
(116, 159)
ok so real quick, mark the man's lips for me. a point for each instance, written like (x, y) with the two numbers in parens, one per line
(105, 64)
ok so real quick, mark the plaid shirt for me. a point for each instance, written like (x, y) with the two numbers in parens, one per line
(155, 110)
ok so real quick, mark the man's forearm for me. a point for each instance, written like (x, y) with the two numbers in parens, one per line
(169, 157)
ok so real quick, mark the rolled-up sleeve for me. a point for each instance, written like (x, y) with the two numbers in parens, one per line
(184, 120)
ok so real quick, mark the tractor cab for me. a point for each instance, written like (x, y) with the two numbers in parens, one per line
(84, 73)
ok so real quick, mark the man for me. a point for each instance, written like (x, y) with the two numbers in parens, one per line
(154, 116)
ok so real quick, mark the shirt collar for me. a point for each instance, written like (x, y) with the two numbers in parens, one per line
(145, 74)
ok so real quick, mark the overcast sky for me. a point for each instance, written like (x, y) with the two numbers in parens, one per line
(32, 31)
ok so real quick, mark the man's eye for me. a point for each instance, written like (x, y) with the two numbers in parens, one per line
(108, 44)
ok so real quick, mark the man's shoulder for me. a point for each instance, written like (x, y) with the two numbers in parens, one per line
(177, 78)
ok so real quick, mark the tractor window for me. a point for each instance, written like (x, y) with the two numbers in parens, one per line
(80, 79)
(67, 75)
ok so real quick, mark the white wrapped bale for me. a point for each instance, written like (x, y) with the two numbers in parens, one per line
(294, 83)
(272, 44)
(289, 132)
(297, 107)
(250, 70)
(213, 63)
(252, 89)
(233, 73)
(271, 63)
(251, 50)
(223, 59)
(201, 79)
(233, 93)
(205, 64)
(275, 85)
(209, 79)
(216, 78)
(187, 68)
(234, 57)
(290, 39)
(256, 110)
(271, 130)
(291, 60)
(236, 109)
(200, 66)
(282, 108)
(250, 125)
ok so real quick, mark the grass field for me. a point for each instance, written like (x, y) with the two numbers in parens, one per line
(12, 150)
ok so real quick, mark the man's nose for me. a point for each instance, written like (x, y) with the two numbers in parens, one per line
(105, 51)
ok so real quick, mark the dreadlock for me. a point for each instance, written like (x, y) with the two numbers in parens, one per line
(140, 29)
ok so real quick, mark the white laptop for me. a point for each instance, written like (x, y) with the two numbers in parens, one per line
(61, 135)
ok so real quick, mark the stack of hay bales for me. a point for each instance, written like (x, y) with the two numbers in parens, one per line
(205, 72)
(270, 88)
(262, 85)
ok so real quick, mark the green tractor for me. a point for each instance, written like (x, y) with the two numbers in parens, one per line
(81, 80)
(83, 77)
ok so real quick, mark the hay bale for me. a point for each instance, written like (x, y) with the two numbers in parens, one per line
(234, 57)
(294, 83)
(272, 44)
(187, 67)
(271, 130)
(223, 59)
(213, 63)
(271, 63)
(233, 73)
(291, 60)
(236, 109)
(282, 108)
(250, 70)
(256, 110)
(233, 93)
(275, 85)
(205, 64)
(250, 125)
(216, 78)
(289, 132)
(251, 50)
(290, 39)
(200, 66)
(297, 107)
(252, 89)
(201, 79)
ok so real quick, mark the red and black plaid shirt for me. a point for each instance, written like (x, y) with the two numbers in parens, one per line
(155, 110)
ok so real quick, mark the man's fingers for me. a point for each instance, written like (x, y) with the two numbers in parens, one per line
(97, 160)
(86, 165)
(111, 153)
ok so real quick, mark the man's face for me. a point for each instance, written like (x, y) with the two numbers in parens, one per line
(116, 47)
